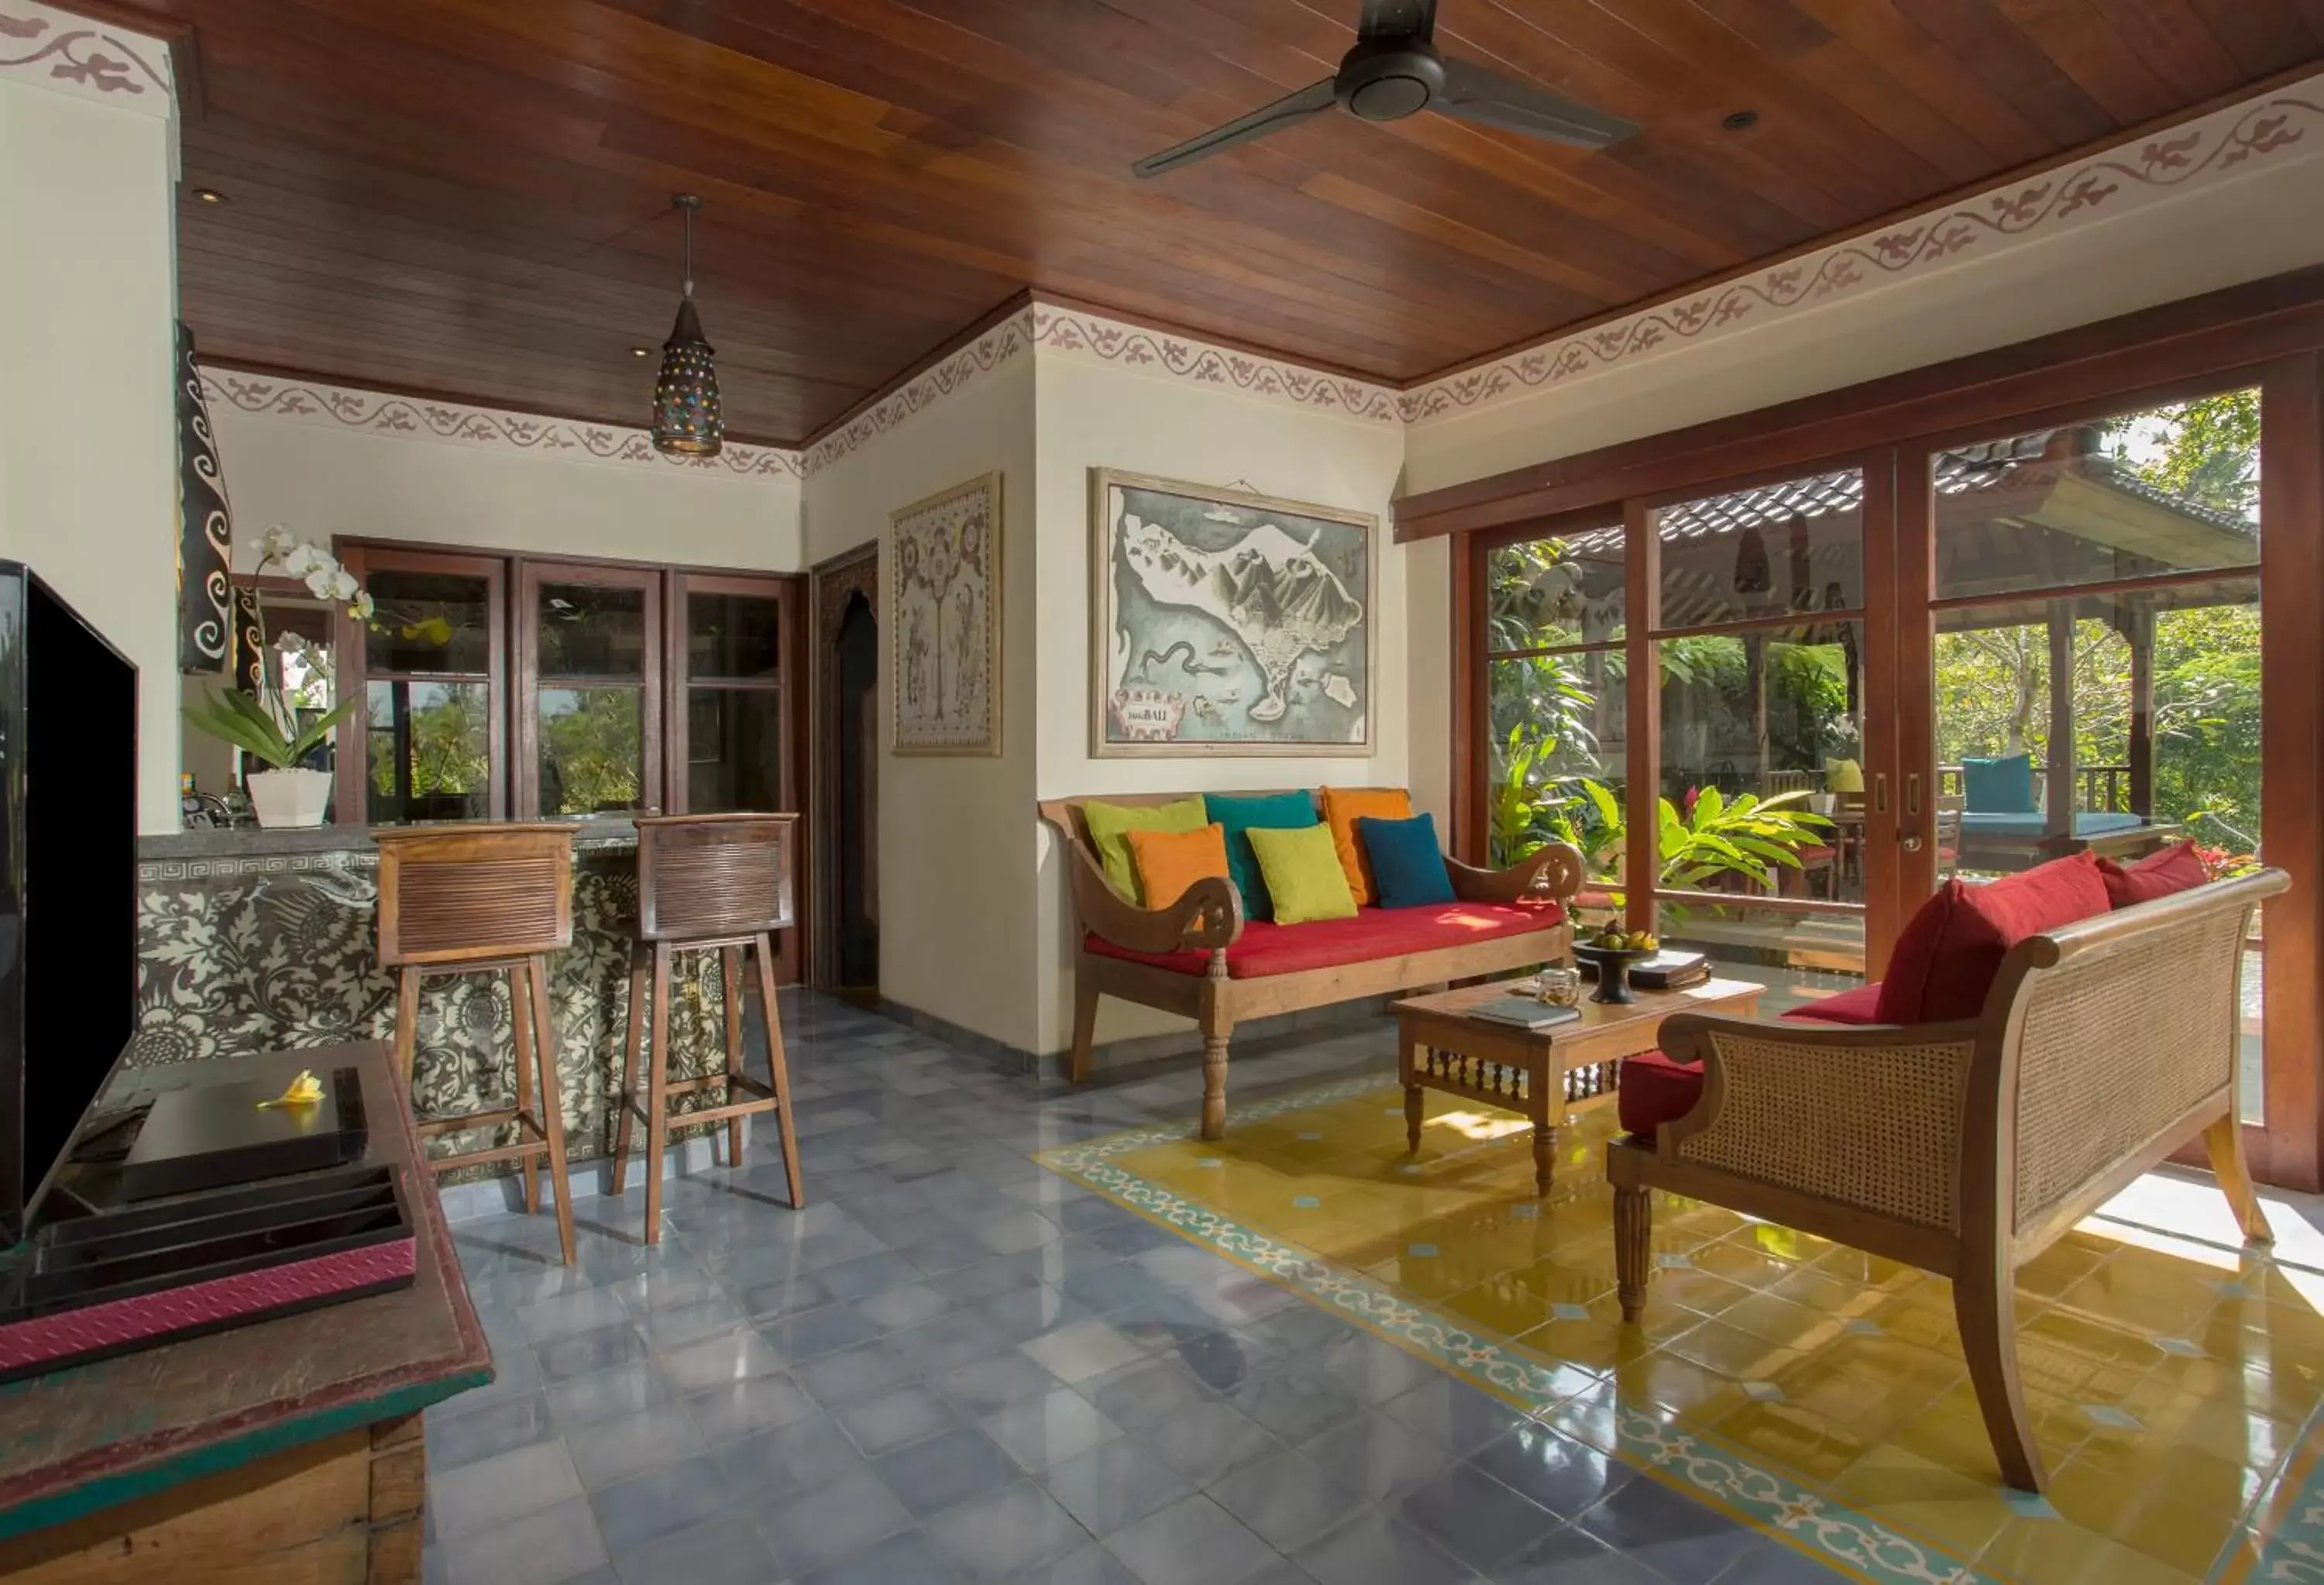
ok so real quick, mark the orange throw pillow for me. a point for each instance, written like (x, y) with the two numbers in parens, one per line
(1170, 862)
(1342, 807)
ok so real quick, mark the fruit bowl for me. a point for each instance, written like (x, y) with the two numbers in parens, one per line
(1613, 966)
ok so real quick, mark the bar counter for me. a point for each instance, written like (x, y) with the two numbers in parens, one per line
(252, 941)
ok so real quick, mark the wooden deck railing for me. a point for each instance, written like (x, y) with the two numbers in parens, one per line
(2104, 788)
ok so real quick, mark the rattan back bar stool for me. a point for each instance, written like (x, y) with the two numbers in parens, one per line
(705, 882)
(485, 899)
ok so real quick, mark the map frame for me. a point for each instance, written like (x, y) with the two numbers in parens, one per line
(1107, 486)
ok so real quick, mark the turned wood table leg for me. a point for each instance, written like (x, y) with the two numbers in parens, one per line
(1633, 1240)
(1545, 1105)
(1413, 1108)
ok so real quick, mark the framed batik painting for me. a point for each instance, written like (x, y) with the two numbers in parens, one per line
(1227, 623)
(943, 555)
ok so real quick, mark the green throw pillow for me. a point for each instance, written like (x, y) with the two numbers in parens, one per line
(1304, 874)
(1109, 826)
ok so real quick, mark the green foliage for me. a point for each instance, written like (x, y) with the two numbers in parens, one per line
(2209, 450)
(449, 738)
(242, 721)
(591, 753)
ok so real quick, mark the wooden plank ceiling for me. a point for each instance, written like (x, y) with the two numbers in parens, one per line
(470, 196)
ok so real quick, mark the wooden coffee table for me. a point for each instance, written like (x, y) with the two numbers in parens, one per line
(1545, 1074)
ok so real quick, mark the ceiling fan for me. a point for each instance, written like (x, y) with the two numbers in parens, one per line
(1394, 72)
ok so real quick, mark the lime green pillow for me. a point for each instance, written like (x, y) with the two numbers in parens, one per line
(1304, 873)
(1109, 826)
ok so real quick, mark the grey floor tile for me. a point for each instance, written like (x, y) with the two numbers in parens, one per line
(987, 1279)
(550, 1547)
(614, 1450)
(660, 1502)
(1475, 1517)
(983, 1386)
(738, 1408)
(678, 1325)
(1562, 1475)
(1373, 1549)
(1679, 1538)
(906, 1304)
(910, 1558)
(1193, 1542)
(1572, 1556)
(874, 1274)
(723, 1550)
(1040, 1432)
(930, 1477)
(1146, 1391)
(1378, 1456)
(1454, 1415)
(1286, 1499)
(1205, 1440)
(1765, 1562)
(1298, 1401)
(584, 1311)
(896, 1419)
(1116, 1483)
(781, 1295)
(729, 1357)
(1093, 1565)
(1080, 1351)
(458, 1439)
(586, 1353)
(798, 1457)
(833, 1523)
(852, 1374)
(1006, 1533)
(610, 1394)
(492, 1491)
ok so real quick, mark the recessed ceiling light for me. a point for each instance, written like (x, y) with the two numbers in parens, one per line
(1741, 119)
(642, 352)
(209, 194)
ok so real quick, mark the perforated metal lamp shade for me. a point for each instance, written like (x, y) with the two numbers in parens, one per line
(687, 419)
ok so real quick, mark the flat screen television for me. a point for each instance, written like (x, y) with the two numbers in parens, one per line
(68, 880)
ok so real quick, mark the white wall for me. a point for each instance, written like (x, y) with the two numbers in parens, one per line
(87, 437)
(956, 846)
(1104, 416)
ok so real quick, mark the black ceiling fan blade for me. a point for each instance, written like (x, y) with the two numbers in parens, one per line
(1475, 93)
(1308, 101)
(1396, 19)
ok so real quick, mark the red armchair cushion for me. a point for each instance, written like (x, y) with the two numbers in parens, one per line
(1859, 1006)
(2174, 868)
(1266, 948)
(1947, 953)
(1653, 1090)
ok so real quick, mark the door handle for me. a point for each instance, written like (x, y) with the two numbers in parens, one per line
(1880, 793)
(1912, 796)
(1912, 841)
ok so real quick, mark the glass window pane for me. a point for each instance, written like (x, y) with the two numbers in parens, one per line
(1555, 751)
(2164, 706)
(2170, 489)
(1762, 781)
(1541, 592)
(429, 748)
(592, 751)
(1793, 546)
(589, 630)
(428, 622)
(733, 750)
(733, 636)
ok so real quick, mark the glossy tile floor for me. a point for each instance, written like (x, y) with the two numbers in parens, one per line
(960, 1365)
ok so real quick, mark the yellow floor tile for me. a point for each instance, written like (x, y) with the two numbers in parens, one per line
(1732, 1351)
(1960, 1513)
(1781, 1321)
(1791, 1436)
(2057, 1551)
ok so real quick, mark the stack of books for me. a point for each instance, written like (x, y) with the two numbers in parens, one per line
(1661, 971)
(1523, 1012)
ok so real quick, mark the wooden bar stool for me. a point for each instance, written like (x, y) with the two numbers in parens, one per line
(481, 899)
(707, 882)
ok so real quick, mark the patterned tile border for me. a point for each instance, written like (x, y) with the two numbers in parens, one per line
(376, 412)
(57, 49)
(2226, 142)
(1700, 1464)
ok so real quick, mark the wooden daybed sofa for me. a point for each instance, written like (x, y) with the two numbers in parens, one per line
(1965, 1147)
(1199, 958)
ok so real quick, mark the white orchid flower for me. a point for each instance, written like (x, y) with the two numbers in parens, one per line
(320, 584)
(362, 608)
(343, 584)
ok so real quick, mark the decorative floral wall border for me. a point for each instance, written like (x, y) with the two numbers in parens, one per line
(2099, 185)
(57, 49)
(489, 428)
(1111, 342)
(988, 350)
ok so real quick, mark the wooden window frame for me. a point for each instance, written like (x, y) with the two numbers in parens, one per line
(533, 571)
(2268, 333)
(789, 597)
(365, 559)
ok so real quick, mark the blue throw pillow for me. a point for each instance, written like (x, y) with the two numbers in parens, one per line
(1998, 786)
(1270, 811)
(1407, 866)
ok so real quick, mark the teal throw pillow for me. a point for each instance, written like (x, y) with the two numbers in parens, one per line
(1237, 813)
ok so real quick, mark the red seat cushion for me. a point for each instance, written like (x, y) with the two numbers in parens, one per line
(1947, 953)
(2175, 869)
(1859, 1006)
(1653, 1090)
(1266, 948)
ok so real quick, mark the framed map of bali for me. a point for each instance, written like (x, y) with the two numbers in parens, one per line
(944, 557)
(1226, 624)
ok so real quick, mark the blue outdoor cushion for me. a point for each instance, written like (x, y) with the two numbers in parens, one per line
(1407, 866)
(1998, 786)
(1268, 811)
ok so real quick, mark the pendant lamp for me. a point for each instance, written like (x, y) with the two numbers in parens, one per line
(686, 421)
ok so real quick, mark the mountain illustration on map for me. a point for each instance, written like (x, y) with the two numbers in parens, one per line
(1275, 595)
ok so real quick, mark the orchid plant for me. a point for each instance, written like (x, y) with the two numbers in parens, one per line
(265, 724)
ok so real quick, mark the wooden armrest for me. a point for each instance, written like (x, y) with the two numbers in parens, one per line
(1553, 870)
(1207, 918)
(1866, 1115)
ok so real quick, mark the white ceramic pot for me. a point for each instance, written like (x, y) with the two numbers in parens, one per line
(1824, 803)
(289, 797)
